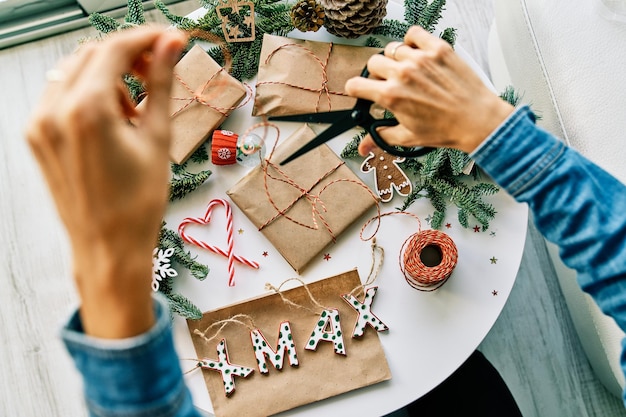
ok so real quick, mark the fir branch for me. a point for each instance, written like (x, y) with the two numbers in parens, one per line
(436, 220)
(431, 15)
(103, 23)
(178, 21)
(449, 35)
(415, 195)
(458, 160)
(433, 162)
(412, 165)
(186, 183)
(178, 169)
(181, 305)
(463, 218)
(351, 150)
(485, 188)
(510, 95)
(200, 155)
(393, 29)
(170, 239)
(135, 15)
(373, 42)
(413, 10)
(135, 86)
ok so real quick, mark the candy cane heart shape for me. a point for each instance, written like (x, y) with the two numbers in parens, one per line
(229, 253)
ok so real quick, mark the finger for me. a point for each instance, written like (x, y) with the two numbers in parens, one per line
(159, 75)
(418, 37)
(118, 54)
(397, 50)
(366, 88)
(63, 76)
(366, 146)
(399, 136)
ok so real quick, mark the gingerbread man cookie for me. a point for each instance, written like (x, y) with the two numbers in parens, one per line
(388, 174)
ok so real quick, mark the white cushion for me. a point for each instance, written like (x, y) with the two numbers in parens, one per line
(569, 62)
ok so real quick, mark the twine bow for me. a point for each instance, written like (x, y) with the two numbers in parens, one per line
(198, 96)
(323, 64)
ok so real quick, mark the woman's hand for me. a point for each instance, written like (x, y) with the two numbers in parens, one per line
(109, 178)
(437, 98)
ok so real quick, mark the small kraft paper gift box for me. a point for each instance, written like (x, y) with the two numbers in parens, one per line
(297, 76)
(303, 206)
(203, 95)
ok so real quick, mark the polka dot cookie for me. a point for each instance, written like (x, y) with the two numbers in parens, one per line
(263, 350)
(364, 311)
(225, 368)
(328, 329)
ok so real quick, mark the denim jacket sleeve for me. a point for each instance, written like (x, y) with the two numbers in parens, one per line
(575, 204)
(133, 377)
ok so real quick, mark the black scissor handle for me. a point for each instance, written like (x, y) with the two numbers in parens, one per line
(378, 140)
(394, 150)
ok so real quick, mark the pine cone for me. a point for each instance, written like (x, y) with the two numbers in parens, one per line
(353, 18)
(307, 16)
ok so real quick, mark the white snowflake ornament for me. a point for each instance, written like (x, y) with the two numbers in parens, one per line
(161, 266)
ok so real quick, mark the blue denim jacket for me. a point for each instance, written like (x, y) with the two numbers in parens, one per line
(575, 204)
(135, 377)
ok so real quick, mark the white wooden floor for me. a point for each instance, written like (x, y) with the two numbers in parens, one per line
(533, 343)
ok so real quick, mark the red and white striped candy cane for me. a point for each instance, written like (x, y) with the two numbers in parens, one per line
(230, 254)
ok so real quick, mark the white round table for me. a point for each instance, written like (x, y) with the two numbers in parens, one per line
(431, 333)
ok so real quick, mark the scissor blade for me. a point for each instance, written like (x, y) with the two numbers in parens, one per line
(334, 130)
(326, 117)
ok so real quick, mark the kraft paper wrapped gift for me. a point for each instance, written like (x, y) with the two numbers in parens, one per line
(299, 234)
(203, 95)
(297, 76)
(320, 374)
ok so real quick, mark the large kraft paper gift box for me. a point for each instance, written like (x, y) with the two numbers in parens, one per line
(280, 200)
(203, 95)
(320, 373)
(300, 76)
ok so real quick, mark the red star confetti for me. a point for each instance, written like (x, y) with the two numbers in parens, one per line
(448, 225)
(476, 229)
(494, 292)
(327, 256)
(494, 260)
(265, 254)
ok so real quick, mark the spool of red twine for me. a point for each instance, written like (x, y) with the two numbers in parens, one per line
(428, 274)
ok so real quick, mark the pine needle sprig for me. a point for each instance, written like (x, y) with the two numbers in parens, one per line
(103, 23)
(186, 183)
(200, 155)
(413, 11)
(431, 15)
(373, 42)
(135, 13)
(393, 29)
(170, 239)
(449, 35)
(351, 150)
(181, 305)
(181, 22)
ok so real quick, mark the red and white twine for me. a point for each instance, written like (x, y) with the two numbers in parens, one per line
(417, 274)
(229, 253)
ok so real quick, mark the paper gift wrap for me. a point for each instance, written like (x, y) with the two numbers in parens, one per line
(320, 374)
(203, 95)
(305, 205)
(297, 76)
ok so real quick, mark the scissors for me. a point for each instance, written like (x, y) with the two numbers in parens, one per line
(343, 120)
